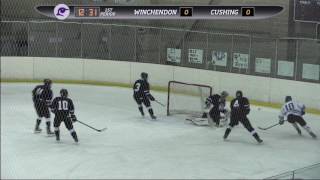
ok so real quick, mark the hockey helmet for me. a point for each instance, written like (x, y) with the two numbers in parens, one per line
(64, 93)
(239, 94)
(144, 75)
(47, 82)
(288, 98)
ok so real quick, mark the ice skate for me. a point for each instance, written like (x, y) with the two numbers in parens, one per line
(37, 130)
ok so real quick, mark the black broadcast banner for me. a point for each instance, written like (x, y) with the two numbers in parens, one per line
(63, 11)
(307, 11)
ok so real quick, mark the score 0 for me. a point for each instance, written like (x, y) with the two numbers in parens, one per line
(247, 11)
(185, 11)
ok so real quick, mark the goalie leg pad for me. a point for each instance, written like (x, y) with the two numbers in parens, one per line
(198, 121)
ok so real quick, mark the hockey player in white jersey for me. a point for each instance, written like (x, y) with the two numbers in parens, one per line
(293, 112)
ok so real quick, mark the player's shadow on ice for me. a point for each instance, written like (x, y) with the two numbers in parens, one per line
(294, 137)
(242, 141)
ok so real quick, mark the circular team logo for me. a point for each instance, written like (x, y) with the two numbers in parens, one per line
(61, 11)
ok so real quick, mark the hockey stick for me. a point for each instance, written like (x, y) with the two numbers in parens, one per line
(99, 130)
(160, 103)
(195, 123)
(202, 119)
(266, 128)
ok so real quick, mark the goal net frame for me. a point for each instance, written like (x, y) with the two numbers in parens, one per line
(187, 84)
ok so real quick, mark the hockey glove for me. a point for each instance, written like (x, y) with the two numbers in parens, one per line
(207, 104)
(151, 97)
(204, 115)
(281, 120)
(73, 118)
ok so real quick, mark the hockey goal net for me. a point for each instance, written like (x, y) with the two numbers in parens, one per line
(186, 98)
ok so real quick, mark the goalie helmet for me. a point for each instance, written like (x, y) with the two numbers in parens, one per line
(288, 98)
(144, 75)
(64, 93)
(239, 94)
(224, 94)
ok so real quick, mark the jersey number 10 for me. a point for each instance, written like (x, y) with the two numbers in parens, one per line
(289, 107)
(63, 105)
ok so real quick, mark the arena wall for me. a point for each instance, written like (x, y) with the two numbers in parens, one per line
(259, 89)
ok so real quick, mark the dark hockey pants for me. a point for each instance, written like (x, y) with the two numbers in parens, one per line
(234, 120)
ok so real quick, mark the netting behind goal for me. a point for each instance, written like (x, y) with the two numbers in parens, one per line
(185, 98)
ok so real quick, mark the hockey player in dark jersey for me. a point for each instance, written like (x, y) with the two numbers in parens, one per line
(216, 103)
(42, 96)
(141, 94)
(240, 108)
(63, 109)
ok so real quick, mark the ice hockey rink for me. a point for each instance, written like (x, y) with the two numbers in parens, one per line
(138, 148)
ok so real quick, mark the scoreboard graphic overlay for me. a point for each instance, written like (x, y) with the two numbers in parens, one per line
(163, 12)
(307, 11)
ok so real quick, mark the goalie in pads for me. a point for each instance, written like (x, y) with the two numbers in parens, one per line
(215, 111)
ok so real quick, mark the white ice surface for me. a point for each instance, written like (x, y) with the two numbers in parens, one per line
(135, 147)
